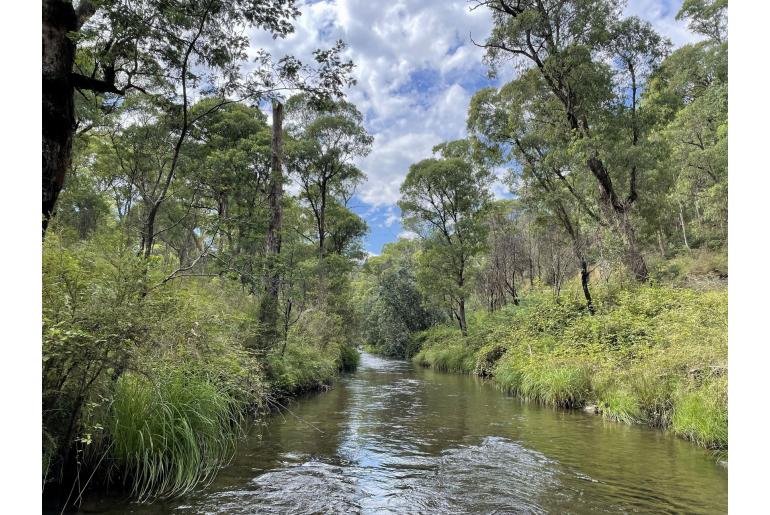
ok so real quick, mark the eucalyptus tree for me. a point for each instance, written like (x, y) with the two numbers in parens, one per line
(229, 169)
(443, 200)
(521, 122)
(166, 50)
(688, 94)
(327, 137)
(706, 17)
(567, 43)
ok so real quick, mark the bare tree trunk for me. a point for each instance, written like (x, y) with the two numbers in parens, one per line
(59, 19)
(584, 282)
(633, 256)
(268, 315)
(617, 212)
(698, 215)
(661, 246)
(148, 238)
(684, 230)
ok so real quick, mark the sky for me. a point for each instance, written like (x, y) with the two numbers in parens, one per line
(416, 71)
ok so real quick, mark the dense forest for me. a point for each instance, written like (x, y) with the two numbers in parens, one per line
(202, 262)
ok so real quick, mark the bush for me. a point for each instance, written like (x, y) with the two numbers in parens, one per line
(153, 381)
(349, 358)
(302, 367)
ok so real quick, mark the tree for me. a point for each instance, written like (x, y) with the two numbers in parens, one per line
(328, 137)
(707, 17)
(442, 200)
(165, 50)
(506, 255)
(268, 313)
(688, 96)
(566, 42)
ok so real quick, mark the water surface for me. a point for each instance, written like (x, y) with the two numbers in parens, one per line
(393, 438)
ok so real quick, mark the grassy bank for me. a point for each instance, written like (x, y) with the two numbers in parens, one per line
(654, 355)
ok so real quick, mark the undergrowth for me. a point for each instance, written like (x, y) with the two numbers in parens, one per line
(651, 354)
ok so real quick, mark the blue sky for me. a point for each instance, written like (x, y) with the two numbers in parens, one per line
(416, 70)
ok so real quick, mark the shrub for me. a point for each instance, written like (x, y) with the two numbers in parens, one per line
(349, 358)
(302, 367)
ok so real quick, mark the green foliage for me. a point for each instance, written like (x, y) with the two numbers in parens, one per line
(169, 434)
(455, 357)
(302, 367)
(651, 354)
(700, 414)
(151, 383)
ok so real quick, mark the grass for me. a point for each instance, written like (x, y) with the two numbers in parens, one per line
(168, 436)
(302, 367)
(651, 354)
(700, 415)
(451, 358)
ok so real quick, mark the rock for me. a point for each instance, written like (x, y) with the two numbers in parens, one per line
(591, 409)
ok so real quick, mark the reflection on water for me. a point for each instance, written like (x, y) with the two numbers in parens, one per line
(395, 439)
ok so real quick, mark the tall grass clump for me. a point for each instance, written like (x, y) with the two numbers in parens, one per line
(700, 414)
(302, 367)
(170, 434)
(554, 384)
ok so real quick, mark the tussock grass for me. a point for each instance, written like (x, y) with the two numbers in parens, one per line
(171, 434)
(620, 405)
(453, 358)
(302, 367)
(700, 414)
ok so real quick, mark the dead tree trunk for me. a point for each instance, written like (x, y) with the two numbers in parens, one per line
(461, 316)
(684, 230)
(268, 314)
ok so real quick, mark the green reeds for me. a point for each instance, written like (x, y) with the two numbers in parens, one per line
(171, 434)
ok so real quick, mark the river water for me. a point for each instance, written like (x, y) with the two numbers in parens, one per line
(394, 438)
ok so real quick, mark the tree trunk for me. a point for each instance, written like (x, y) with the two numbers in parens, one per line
(461, 316)
(148, 238)
(618, 213)
(59, 19)
(514, 294)
(268, 315)
(584, 282)
(633, 256)
(661, 246)
(684, 231)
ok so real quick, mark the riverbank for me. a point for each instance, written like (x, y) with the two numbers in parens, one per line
(148, 389)
(651, 354)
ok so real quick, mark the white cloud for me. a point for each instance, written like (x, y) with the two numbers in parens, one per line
(391, 45)
(416, 70)
(661, 14)
(391, 217)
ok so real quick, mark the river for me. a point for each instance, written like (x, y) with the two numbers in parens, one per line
(394, 438)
